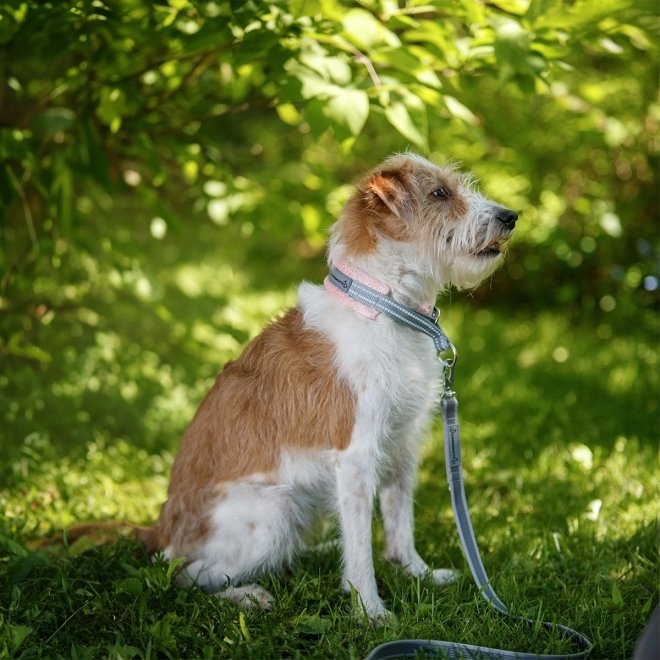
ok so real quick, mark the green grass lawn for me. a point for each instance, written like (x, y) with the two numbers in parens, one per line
(560, 430)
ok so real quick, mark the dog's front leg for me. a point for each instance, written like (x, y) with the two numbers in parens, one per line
(356, 488)
(396, 505)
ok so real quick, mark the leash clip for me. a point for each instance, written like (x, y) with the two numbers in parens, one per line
(448, 358)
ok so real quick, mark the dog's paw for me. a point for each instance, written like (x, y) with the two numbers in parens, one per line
(442, 576)
(375, 615)
(384, 618)
(248, 597)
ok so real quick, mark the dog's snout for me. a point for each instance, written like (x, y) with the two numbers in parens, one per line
(507, 217)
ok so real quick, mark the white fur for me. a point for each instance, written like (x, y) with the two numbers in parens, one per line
(396, 374)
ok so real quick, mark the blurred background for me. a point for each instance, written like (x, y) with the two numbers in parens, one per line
(169, 171)
(168, 174)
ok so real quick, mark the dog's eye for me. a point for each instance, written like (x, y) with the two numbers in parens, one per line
(442, 192)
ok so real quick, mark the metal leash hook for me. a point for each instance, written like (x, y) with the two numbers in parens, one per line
(448, 363)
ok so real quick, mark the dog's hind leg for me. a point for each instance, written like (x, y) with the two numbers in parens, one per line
(215, 580)
(247, 596)
(254, 528)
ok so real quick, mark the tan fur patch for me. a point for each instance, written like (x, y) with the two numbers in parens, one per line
(379, 205)
(396, 201)
(355, 226)
(282, 392)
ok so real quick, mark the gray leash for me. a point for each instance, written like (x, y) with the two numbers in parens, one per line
(406, 648)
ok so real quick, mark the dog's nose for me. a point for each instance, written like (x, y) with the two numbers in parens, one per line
(507, 217)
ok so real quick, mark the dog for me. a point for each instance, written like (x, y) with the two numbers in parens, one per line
(328, 406)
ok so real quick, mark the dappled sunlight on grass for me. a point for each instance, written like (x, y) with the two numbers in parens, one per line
(551, 422)
(569, 524)
(547, 380)
(128, 372)
(135, 355)
(115, 481)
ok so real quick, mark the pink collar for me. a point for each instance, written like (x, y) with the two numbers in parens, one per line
(360, 276)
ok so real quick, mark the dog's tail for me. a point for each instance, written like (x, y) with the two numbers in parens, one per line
(100, 533)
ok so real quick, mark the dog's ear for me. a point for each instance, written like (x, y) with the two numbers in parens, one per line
(382, 204)
(390, 187)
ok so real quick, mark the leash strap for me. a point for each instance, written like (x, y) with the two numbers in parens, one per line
(409, 648)
(406, 648)
(453, 466)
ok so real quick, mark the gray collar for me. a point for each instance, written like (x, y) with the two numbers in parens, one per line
(427, 324)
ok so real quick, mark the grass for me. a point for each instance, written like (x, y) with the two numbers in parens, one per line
(560, 429)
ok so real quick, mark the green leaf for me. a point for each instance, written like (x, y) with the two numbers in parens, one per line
(332, 69)
(366, 31)
(460, 111)
(617, 598)
(583, 14)
(254, 45)
(314, 113)
(29, 351)
(18, 635)
(243, 625)
(312, 624)
(410, 61)
(80, 546)
(12, 547)
(111, 107)
(351, 108)
(412, 128)
(313, 85)
(289, 114)
(538, 8)
(512, 6)
(130, 585)
(162, 631)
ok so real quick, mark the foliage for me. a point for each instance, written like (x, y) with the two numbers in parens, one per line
(255, 115)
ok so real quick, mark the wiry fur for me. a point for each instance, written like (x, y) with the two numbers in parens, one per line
(327, 405)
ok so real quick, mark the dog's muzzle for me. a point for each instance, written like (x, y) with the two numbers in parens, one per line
(507, 217)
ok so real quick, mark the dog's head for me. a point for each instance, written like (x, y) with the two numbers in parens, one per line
(431, 219)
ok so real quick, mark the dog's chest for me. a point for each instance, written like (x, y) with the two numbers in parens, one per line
(409, 373)
(392, 370)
